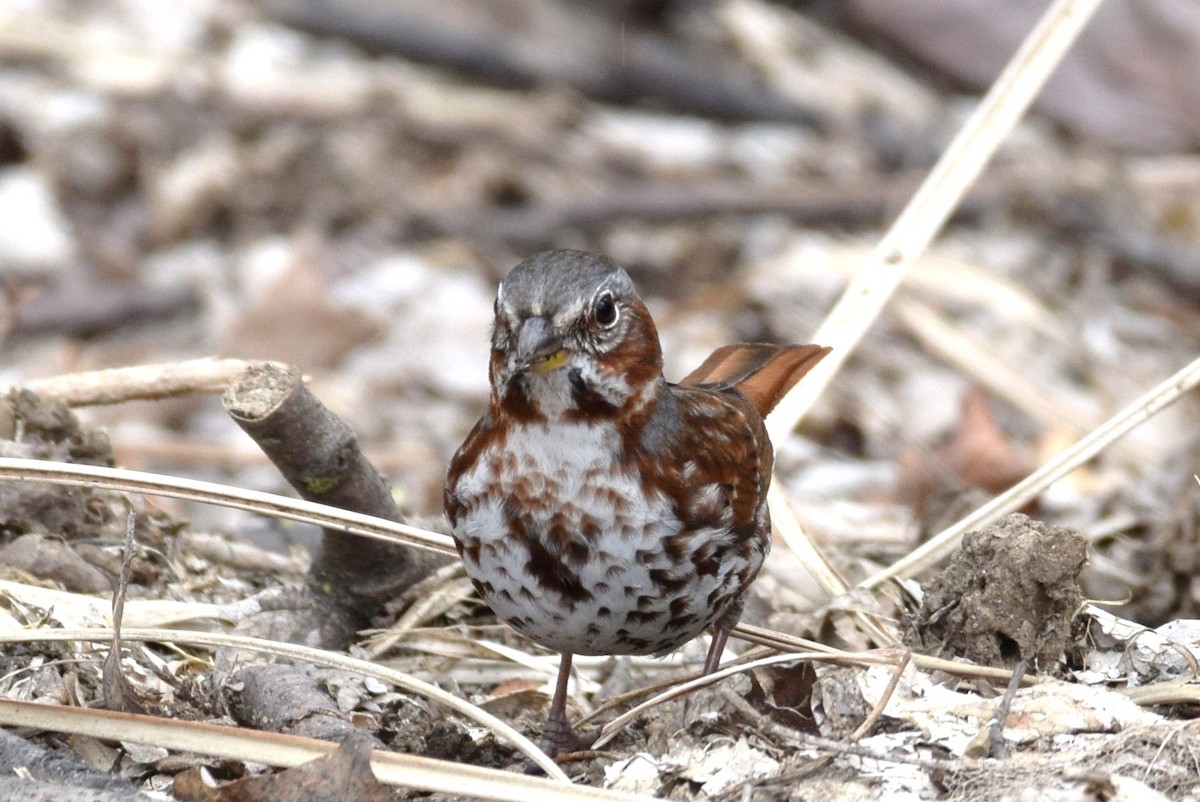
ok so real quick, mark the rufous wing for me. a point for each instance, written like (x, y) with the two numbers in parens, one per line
(762, 372)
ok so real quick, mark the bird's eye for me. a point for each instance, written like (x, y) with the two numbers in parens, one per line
(605, 311)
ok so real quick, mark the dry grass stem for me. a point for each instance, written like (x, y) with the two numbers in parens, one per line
(874, 282)
(32, 470)
(290, 750)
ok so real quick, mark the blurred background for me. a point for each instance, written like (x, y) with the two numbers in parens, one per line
(340, 185)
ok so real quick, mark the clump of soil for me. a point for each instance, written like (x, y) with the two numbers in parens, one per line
(1009, 595)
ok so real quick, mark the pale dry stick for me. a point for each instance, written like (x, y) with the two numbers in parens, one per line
(826, 576)
(788, 529)
(985, 368)
(294, 651)
(828, 654)
(783, 642)
(1171, 692)
(65, 473)
(946, 541)
(834, 747)
(277, 749)
(137, 383)
(965, 157)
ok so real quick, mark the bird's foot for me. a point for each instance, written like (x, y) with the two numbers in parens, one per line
(559, 737)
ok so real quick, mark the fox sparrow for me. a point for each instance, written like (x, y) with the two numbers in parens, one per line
(599, 509)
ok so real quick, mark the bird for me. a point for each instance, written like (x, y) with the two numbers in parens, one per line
(598, 508)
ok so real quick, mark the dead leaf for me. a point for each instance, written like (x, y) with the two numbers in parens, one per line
(978, 454)
(343, 775)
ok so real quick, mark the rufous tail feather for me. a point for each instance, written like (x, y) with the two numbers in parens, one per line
(762, 372)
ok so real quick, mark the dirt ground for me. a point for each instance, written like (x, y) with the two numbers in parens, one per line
(339, 188)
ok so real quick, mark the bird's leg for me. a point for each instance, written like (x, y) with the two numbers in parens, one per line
(720, 635)
(558, 736)
(713, 659)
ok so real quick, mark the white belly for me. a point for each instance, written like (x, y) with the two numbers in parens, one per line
(572, 551)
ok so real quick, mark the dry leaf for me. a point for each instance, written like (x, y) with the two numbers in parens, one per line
(343, 775)
(977, 455)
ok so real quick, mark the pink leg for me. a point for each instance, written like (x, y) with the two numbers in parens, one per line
(719, 637)
(558, 736)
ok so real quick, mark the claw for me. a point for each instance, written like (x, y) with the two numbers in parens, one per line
(558, 737)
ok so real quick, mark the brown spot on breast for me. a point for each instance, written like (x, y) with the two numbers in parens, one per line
(682, 622)
(552, 575)
(645, 555)
(678, 546)
(589, 405)
(468, 549)
(644, 617)
(670, 585)
(637, 645)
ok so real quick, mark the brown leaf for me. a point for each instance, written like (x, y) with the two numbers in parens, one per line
(977, 455)
(343, 775)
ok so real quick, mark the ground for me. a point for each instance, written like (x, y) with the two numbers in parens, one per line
(324, 187)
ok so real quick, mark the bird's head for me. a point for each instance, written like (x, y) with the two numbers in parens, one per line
(572, 338)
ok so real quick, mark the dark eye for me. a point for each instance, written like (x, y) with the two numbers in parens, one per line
(605, 310)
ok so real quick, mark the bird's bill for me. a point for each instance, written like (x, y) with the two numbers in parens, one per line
(539, 347)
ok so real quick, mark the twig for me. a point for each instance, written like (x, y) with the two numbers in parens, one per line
(118, 693)
(928, 210)
(76, 310)
(862, 730)
(318, 454)
(289, 750)
(583, 54)
(143, 382)
(838, 747)
(66, 473)
(985, 368)
(996, 746)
